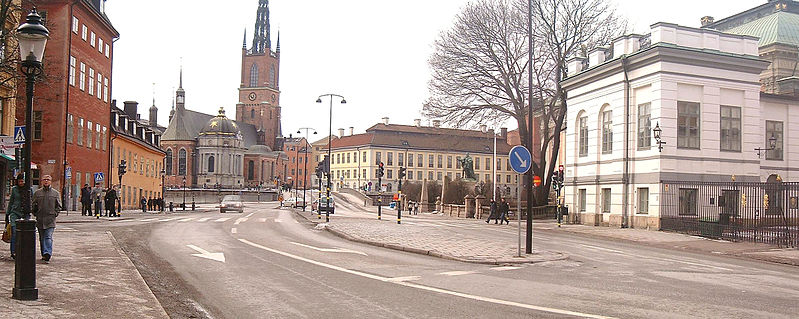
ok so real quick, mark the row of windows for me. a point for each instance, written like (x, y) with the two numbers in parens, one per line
(346, 158)
(181, 162)
(254, 76)
(688, 130)
(102, 82)
(94, 40)
(414, 175)
(95, 136)
(138, 164)
(606, 203)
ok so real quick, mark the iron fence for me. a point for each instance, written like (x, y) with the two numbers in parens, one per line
(739, 211)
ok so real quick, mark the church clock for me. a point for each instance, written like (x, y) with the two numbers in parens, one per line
(252, 96)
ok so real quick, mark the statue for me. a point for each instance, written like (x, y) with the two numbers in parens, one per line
(468, 168)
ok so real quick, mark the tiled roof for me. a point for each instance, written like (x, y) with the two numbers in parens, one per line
(424, 138)
(779, 27)
(186, 126)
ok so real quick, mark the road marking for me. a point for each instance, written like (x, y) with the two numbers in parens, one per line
(605, 249)
(331, 250)
(250, 215)
(222, 219)
(262, 220)
(234, 230)
(240, 220)
(186, 219)
(278, 220)
(203, 219)
(148, 219)
(505, 268)
(167, 219)
(402, 279)
(457, 273)
(427, 288)
(205, 254)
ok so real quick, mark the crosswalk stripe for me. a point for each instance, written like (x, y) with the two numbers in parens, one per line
(457, 273)
(222, 219)
(186, 219)
(166, 219)
(240, 220)
(262, 220)
(505, 268)
(203, 219)
(234, 230)
(148, 219)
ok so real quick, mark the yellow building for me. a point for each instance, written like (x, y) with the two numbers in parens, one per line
(429, 153)
(9, 77)
(138, 145)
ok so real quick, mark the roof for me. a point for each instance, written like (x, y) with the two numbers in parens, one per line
(220, 125)
(186, 126)
(424, 138)
(779, 27)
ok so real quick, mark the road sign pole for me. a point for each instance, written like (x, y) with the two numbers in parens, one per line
(519, 214)
(520, 161)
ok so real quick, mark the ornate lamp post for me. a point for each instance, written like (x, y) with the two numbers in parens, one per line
(772, 145)
(305, 169)
(32, 37)
(163, 187)
(184, 192)
(658, 138)
(330, 96)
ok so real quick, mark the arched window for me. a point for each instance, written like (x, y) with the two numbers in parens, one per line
(272, 74)
(182, 162)
(251, 170)
(169, 161)
(254, 75)
(252, 113)
(211, 164)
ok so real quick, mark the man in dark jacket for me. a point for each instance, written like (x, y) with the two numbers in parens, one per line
(97, 198)
(14, 210)
(504, 208)
(110, 202)
(86, 200)
(46, 205)
(143, 203)
(494, 214)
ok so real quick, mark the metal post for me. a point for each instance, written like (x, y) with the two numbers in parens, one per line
(560, 214)
(399, 209)
(519, 216)
(379, 198)
(25, 262)
(529, 137)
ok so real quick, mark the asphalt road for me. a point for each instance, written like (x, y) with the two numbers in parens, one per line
(277, 265)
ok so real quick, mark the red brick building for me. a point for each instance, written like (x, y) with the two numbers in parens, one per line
(295, 149)
(72, 104)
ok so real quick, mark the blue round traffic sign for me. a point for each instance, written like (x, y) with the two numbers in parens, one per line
(520, 159)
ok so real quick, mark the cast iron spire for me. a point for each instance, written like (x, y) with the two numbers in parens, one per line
(261, 41)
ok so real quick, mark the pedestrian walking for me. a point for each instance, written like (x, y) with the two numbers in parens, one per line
(150, 203)
(416, 208)
(96, 196)
(110, 202)
(504, 208)
(143, 203)
(46, 205)
(493, 212)
(410, 208)
(86, 200)
(14, 210)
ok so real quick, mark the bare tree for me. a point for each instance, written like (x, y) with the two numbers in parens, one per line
(480, 68)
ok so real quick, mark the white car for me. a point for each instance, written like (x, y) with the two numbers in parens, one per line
(231, 203)
(294, 202)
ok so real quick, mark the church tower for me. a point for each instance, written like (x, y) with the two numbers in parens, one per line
(259, 92)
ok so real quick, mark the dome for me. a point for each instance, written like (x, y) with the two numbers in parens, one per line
(220, 125)
(259, 149)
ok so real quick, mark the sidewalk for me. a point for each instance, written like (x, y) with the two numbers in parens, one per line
(89, 276)
(439, 242)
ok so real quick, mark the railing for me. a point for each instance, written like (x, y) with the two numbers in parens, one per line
(738, 211)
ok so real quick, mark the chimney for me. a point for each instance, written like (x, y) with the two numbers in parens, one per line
(436, 123)
(417, 122)
(575, 65)
(352, 130)
(503, 132)
(385, 120)
(706, 20)
(131, 109)
(341, 132)
(483, 128)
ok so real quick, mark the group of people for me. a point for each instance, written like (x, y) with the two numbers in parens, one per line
(499, 212)
(45, 205)
(94, 196)
(413, 208)
(151, 204)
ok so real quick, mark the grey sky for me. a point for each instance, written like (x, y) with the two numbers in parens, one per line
(372, 52)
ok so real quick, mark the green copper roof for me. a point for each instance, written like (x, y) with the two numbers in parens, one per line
(780, 27)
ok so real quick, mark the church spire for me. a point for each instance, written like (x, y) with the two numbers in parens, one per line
(277, 49)
(244, 44)
(261, 41)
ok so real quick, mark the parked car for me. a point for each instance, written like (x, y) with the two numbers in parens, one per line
(231, 203)
(326, 205)
(294, 202)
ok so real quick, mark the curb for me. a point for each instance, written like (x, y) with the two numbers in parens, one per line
(431, 253)
(130, 264)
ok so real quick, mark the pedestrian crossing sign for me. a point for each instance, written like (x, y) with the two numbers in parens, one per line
(98, 177)
(19, 134)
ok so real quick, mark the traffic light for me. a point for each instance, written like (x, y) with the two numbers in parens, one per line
(380, 170)
(123, 166)
(326, 165)
(402, 172)
(555, 181)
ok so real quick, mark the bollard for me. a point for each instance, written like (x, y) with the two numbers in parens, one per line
(399, 216)
(192, 205)
(171, 207)
(25, 262)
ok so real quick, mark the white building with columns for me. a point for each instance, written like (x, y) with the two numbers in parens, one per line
(702, 88)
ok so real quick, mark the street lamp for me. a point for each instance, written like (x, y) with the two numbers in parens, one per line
(305, 169)
(163, 187)
(658, 138)
(184, 192)
(330, 96)
(772, 145)
(32, 37)
(122, 169)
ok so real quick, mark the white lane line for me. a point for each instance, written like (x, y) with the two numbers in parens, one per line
(402, 279)
(186, 219)
(427, 288)
(234, 230)
(604, 249)
(505, 268)
(261, 220)
(203, 219)
(166, 219)
(457, 273)
(331, 250)
(222, 219)
(148, 219)
(248, 216)
(240, 220)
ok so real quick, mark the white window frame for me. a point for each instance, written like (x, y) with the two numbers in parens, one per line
(105, 90)
(100, 45)
(72, 62)
(75, 24)
(84, 32)
(93, 39)
(107, 51)
(91, 81)
(82, 80)
(99, 86)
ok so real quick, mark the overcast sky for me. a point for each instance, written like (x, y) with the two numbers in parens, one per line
(374, 52)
